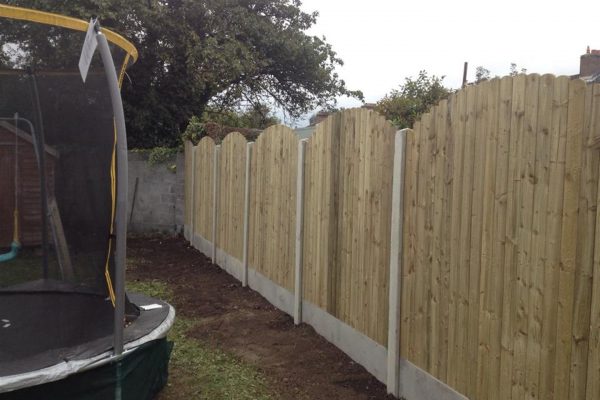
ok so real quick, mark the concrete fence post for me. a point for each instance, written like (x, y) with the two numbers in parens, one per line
(192, 229)
(215, 201)
(246, 214)
(395, 294)
(299, 232)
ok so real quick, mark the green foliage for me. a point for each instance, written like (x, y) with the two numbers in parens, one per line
(161, 155)
(199, 52)
(194, 131)
(403, 106)
(257, 116)
(514, 70)
(481, 74)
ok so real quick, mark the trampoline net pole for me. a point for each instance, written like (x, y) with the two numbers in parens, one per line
(121, 209)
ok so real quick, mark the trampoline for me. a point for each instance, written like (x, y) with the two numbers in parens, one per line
(68, 329)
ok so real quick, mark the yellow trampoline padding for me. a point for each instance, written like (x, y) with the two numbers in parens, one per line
(42, 17)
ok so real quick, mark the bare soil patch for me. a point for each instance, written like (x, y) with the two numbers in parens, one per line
(298, 362)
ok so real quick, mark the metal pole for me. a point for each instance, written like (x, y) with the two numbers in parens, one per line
(122, 171)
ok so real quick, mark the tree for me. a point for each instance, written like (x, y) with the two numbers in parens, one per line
(257, 116)
(514, 71)
(403, 106)
(199, 52)
(481, 74)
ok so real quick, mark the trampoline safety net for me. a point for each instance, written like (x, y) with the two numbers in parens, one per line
(57, 194)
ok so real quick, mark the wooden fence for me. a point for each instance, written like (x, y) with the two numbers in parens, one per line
(489, 280)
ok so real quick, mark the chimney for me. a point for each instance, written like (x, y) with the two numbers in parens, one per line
(590, 63)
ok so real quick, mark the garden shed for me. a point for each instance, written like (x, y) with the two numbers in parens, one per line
(17, 142)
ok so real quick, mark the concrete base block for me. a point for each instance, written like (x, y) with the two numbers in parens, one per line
(202, 244)
(416, 384)
(232, 265)
(275, 294)
(358, 346)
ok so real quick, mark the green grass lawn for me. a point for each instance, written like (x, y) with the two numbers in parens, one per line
(199, 371)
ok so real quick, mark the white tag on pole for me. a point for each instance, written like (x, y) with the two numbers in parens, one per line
(87, 52)
(149, 307)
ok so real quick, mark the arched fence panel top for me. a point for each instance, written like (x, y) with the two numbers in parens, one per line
(277, 132)
(349, 122)
(234, 137)
(206, 142)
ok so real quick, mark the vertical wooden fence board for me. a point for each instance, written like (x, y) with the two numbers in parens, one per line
(409, 262)
(432, 282)
(383, 160)
(524, 235)
(585, 253)
(338, 275)
(420, 335)
(474, 257)
(508, 297)
(486, 286)
(569, 239)
(416, 271)
(457, 124)
(462, 322)
(556, 172)
(541, 182)
(496, 273)
(346, 225)
(593, 383)
(204, 188)
(310, 265)
(439, 310)
(446, 222)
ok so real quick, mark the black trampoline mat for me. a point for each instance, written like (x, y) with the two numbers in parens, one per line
(40, 329)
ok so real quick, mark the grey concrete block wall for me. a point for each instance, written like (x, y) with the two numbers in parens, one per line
(158, 201)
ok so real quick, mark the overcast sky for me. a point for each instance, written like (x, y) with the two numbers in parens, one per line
(384, 41)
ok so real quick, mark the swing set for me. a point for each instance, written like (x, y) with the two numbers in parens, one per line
(15, 246)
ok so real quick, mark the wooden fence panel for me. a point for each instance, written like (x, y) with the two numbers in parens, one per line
(203, 209)
(232, 165)
(500, 263)
(272, 222)
(348, 178)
